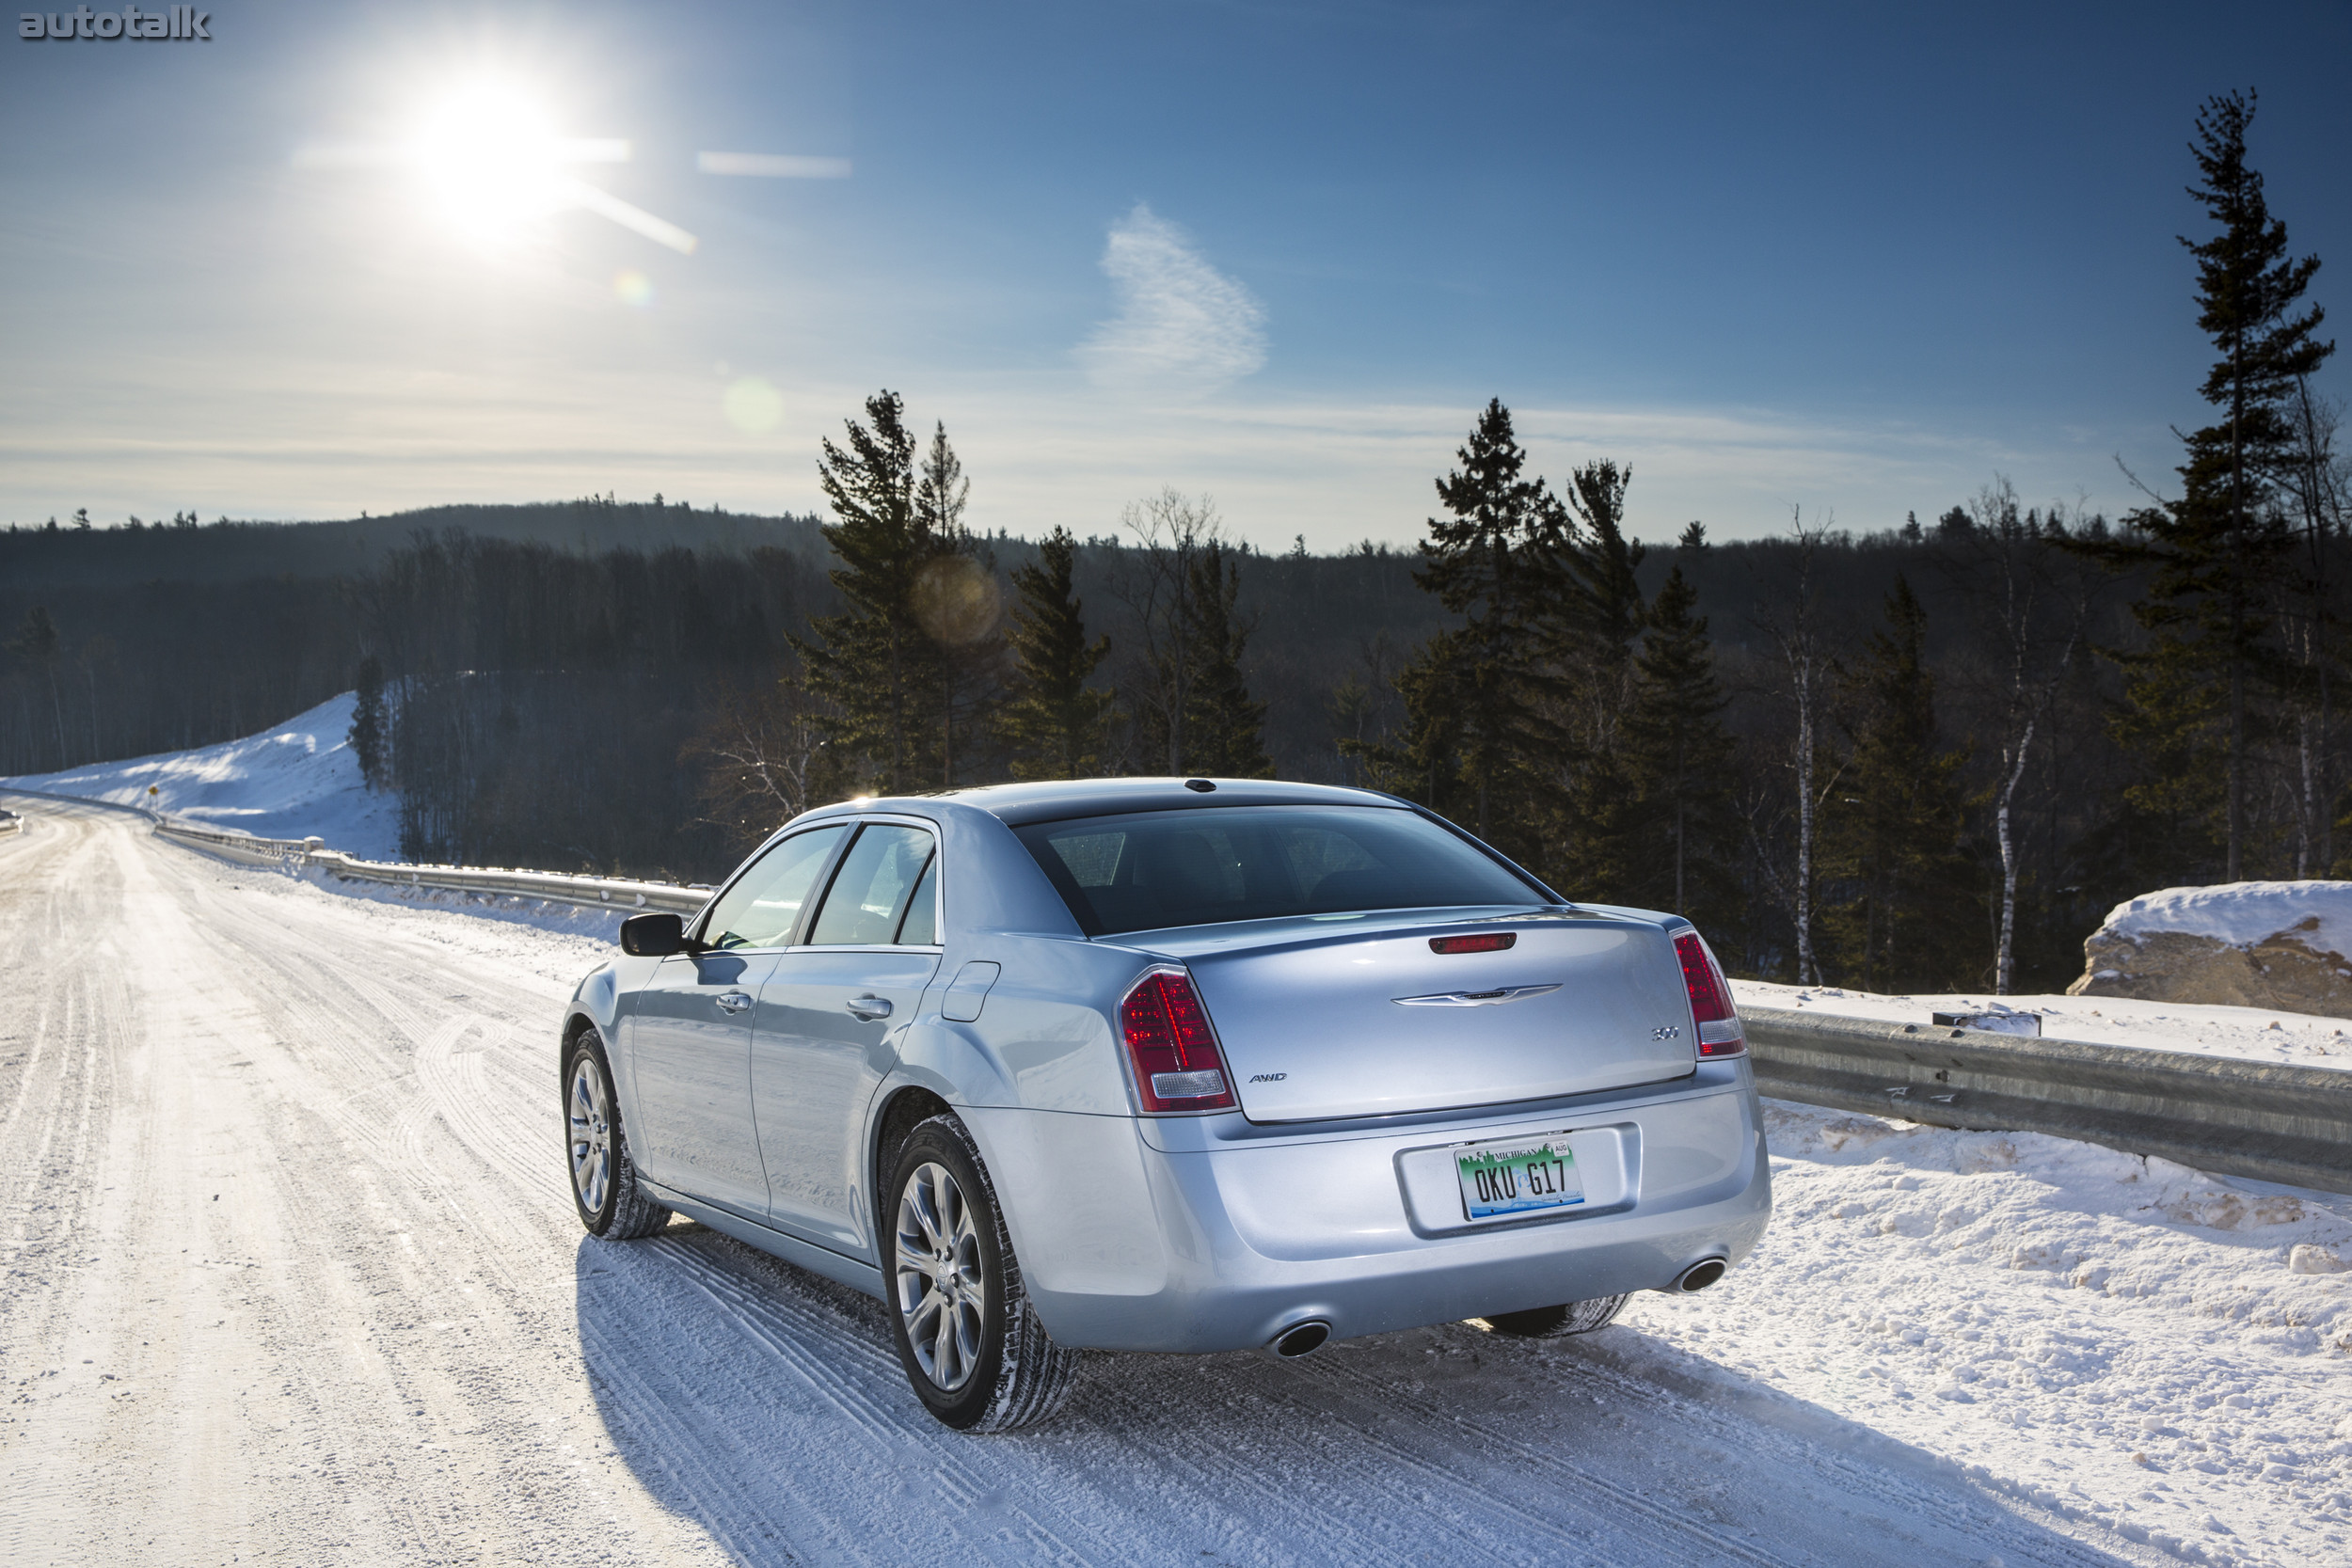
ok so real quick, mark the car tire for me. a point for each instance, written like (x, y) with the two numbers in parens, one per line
(1558, 1322)
(964, 1328)
(603, 1178)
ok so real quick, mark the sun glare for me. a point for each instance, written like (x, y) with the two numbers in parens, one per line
(491, 164)
(488, 163)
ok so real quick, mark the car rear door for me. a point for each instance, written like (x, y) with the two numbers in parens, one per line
(690, 1035)
(827, 1013)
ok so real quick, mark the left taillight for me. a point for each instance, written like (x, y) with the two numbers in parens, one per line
(1717, 1021)
(1171, 1048)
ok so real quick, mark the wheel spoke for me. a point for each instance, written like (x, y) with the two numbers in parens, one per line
(926, 1201)
(944, 1349)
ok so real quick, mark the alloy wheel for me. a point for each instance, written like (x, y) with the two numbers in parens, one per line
(591, 1117)
(942, 1293)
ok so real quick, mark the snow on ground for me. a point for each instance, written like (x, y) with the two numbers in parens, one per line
(2119, 1339)
(292, 780)
(2249, 1034)
(288, 1274)
(2242, 913)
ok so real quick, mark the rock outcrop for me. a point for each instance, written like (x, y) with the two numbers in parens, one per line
(2246, 944)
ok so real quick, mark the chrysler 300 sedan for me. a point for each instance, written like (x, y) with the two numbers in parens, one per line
(1178, 1065)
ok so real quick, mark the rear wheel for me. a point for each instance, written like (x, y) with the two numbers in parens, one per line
(970, 1341)
(604, 1178)
(1558, 1322)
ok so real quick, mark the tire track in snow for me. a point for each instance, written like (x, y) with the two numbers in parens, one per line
(435, 1365)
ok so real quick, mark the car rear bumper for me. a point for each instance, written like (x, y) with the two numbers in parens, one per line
(1211, 1234)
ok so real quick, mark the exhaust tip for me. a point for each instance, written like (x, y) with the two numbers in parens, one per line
(1300, 1339)
(1699, 1275)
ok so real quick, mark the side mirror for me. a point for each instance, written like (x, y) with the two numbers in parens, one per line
(656, 934)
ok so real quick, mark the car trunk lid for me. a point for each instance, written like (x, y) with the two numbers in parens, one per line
(1318, 1025)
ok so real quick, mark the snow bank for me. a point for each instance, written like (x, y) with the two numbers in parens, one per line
(2249, 1034)
(2242, 913)
(2118, 1340)
(294, 780)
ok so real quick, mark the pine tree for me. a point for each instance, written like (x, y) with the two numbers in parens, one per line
(1224, 730)
(1891, 840)
(1677, 762)
(916, 602)
(2219, 551)
(368, 733)
(1476, 745)
(954, 599)
(1053, 723)
(1588, 635)
(1603, 611)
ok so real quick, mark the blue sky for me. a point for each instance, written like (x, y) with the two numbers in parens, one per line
(1857, 258)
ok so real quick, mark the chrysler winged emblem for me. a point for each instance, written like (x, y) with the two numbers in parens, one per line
(1474, 998)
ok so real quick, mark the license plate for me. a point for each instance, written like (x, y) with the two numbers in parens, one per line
(1518, 1179)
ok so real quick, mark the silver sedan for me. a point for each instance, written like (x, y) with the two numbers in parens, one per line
(1167, 1064)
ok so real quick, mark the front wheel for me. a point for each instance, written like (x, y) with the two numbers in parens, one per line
(604, 1178)
(1558, 1322)
(969, 1339)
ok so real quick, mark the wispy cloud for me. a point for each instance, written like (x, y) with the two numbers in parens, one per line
(1181, 325)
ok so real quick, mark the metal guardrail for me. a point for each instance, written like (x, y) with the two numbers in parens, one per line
(553, 886)
(586, 891)
(2271, 1122)
(549, 886)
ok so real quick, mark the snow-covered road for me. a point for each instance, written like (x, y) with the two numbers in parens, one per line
(291, 1277)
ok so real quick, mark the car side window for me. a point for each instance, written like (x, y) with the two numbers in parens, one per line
(764, 905)
(871, 892)
(920, 929)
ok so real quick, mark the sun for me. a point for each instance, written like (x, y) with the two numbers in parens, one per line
(487, 161)
(490, 163)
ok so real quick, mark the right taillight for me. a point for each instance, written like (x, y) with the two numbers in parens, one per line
(1173, 1051)
(1717, 1021)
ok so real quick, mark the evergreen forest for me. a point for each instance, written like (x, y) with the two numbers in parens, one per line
(1925, 756)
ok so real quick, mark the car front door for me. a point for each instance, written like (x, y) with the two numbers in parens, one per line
(690, 1035)
(828, 1014)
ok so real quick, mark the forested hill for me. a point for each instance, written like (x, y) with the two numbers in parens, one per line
(180, 550)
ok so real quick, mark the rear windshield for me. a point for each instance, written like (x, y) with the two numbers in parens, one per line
(1141, 871)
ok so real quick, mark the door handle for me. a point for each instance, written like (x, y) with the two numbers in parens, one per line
(868, 1008)
(734, 1002)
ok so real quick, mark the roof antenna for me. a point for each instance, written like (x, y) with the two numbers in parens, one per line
(1203, 785)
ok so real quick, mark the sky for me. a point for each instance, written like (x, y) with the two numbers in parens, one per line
(1853, 259)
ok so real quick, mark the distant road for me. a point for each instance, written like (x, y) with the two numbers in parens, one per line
(291, 1277)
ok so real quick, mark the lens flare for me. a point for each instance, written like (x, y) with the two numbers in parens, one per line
(632, 288)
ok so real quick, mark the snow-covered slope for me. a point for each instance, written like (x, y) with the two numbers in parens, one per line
(2250, 1033)
(294, 780)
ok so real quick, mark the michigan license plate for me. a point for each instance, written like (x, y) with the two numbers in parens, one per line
(1518, 1179)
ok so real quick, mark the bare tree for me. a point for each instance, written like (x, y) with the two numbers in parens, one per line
(757, 756)
(1794, 629)
(2318, 479)
(2010, 577)
(1155, 581)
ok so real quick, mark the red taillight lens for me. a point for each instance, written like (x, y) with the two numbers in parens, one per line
(1177, 1064)
(1710, 999)
(1490, 941)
